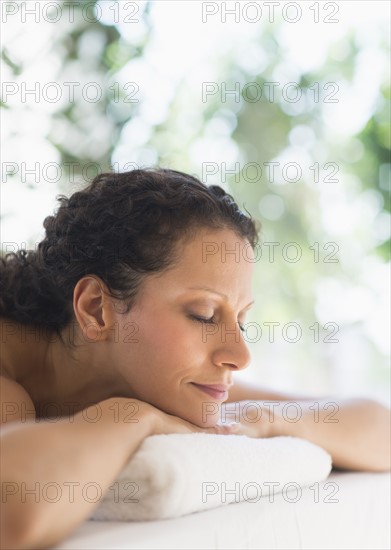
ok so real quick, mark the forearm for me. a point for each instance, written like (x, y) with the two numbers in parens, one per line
(356, 432)
(59, 461)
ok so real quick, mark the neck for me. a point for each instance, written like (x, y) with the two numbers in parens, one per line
(66, 381)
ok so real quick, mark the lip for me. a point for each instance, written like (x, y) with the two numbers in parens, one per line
(218, 391)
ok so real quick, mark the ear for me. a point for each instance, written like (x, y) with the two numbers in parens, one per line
(93, 308)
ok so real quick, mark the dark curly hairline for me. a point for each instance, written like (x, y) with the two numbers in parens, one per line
(164, 209)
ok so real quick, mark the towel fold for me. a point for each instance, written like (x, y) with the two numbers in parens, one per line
(177, 474)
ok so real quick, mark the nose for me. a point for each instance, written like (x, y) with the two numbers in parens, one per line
(232, 349)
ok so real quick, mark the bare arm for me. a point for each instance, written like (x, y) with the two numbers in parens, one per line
(356, 432)
(54, 473)
(241, 391)
(68, 465)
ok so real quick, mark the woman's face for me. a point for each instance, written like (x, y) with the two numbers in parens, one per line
(162, 350)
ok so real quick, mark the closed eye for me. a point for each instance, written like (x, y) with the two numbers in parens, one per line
(211, 321)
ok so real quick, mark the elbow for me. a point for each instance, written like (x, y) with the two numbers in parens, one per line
(18, 528)
(365, 441)
(380, 417)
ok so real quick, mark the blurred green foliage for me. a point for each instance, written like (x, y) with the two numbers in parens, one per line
(261, 132)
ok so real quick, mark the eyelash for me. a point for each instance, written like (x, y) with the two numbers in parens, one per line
(211, 321)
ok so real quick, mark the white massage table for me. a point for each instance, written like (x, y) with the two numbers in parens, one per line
(360, 519)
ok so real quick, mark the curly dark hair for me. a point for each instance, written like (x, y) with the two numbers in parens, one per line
(121, 227)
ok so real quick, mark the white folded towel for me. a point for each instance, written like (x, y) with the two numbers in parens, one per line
(176, 474)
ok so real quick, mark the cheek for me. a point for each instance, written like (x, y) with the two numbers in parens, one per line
(163, 351)
(168, 354)
(167, 338)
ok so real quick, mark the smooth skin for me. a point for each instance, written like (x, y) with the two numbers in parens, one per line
(154, 352)
(149, 358)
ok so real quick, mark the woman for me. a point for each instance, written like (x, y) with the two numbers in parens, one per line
(126, 322)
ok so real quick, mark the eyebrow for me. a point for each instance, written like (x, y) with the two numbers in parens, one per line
(216, 292)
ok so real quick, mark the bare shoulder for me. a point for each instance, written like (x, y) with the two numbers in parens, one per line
(14, 399)
(243, 391)
(16, 404)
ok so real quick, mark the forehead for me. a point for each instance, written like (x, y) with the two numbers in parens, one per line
(218, 259)
(217, 248)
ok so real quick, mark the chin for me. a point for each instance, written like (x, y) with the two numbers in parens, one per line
(203, 415)
(203, 421)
